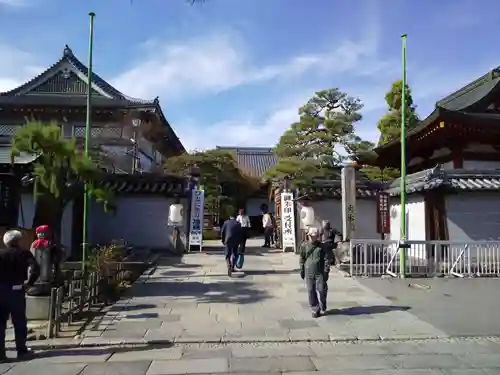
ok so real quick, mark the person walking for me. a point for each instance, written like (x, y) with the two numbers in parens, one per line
(315, 260)
(231, 238)
(244, 221)
(330, 237)
(15, 264)
(273, 231)
(267, 223)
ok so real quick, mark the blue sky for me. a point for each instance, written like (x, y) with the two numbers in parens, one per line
(234, 72)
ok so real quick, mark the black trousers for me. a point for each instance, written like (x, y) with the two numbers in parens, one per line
(231, 253)
(13, 303)
(317, 291)
(243, 244)
(268, 234)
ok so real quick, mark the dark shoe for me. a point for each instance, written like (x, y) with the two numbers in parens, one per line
(323, 309)
(315, 314)
(25, 355)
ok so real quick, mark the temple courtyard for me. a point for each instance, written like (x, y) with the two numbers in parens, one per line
(185, 316)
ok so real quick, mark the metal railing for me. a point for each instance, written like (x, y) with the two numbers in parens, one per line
(78, 294)
(423, 258)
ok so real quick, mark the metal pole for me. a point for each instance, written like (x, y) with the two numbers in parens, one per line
(88, 125)
(402, 250)
(134, 152)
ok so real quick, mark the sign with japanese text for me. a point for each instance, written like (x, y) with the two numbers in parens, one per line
(383, 213)
(287, 221)
(196, 219)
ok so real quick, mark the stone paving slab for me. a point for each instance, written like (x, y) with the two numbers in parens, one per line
(452, 357)
(193, 300)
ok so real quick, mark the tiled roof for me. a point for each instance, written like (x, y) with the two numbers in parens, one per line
(79, 68)
(55, 87)
(255, 161)
(170, 185)
(69, 101)
(321, 189)
(455, 179)
(146, 183)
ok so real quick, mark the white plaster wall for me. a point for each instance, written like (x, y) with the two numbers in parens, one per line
(473, 216)
(480, 164)
(415, 222)
(141, 221)
(447, 166)
(331, 210)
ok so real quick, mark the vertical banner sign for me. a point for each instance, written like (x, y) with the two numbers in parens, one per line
(383, 213)
(196, 219)
(287, 221)
(348, 180)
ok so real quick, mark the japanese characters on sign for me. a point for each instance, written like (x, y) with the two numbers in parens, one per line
(287, 220)
(351, 218)
(196, 219)
(383, 213)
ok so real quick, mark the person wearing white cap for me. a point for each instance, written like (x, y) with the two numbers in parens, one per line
(315, 260)
(14, 265)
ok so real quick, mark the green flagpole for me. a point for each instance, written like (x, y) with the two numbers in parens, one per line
(88, 125)
(403, 238)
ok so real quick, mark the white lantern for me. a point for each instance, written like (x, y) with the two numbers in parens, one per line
(307, 216)
(175, 214)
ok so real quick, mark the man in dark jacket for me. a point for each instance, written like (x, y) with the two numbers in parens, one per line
(15, 264)
(231, 235)
(330, 237)
(315, 260)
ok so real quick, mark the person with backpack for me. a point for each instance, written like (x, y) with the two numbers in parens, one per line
(315, 261)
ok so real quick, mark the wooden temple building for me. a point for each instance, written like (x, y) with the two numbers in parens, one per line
(255, 162)
(453, 159)
(133, 135)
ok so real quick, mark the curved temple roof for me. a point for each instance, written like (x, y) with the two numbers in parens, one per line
(468, 104)
(64, 83)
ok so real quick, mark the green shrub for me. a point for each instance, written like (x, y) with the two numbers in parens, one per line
(210, 234)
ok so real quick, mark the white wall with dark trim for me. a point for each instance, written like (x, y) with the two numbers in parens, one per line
(331, 210)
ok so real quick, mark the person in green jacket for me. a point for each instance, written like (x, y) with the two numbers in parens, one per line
(315, 260)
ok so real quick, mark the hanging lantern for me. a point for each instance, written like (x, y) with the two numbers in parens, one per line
(307, 216)
(175, 214)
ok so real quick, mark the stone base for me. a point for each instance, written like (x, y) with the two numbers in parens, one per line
(37, 307)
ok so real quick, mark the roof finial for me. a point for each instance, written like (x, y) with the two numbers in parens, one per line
(67, 51)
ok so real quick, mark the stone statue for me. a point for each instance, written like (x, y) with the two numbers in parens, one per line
(49, 257)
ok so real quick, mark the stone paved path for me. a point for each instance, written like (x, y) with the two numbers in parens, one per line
(193, 300)
(188, 317)
(422, 357)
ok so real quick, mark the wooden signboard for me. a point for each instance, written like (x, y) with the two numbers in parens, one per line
(383, 213)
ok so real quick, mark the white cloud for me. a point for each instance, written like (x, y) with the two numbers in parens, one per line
(16, 67)
(428, 85)
(247, 131)
(14, 3)
(219, 62)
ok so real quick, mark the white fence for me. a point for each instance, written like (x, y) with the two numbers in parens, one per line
(423, 258)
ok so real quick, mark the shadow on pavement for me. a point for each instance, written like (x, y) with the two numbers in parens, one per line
(366, 310)
(178, 273)
(230, 291)
(269, 272)
(139, 306)
(98, 351)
